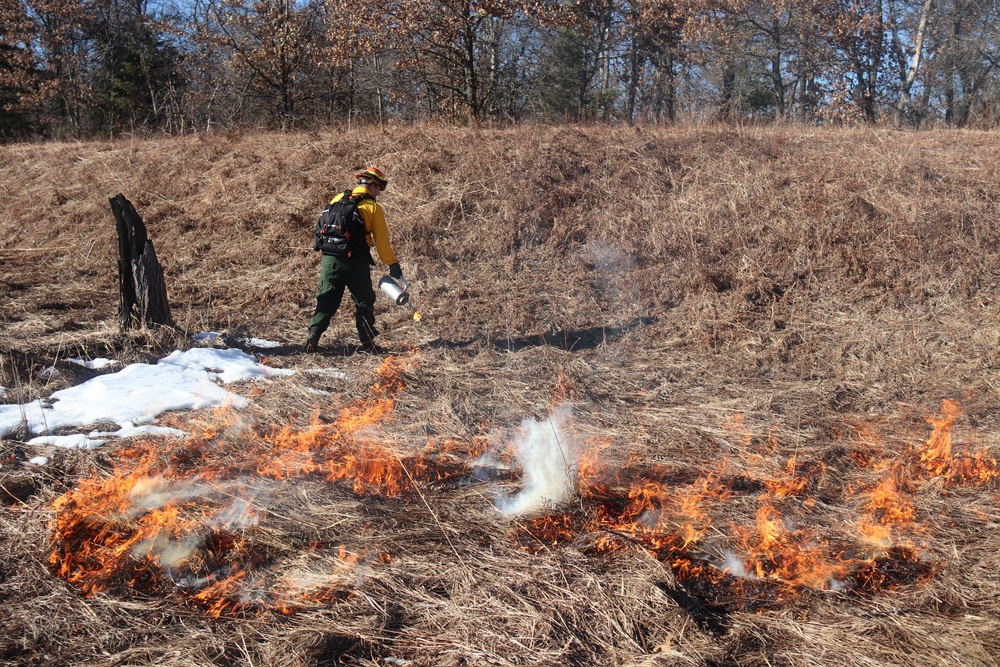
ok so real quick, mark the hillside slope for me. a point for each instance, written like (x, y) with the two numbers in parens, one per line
(770, 242)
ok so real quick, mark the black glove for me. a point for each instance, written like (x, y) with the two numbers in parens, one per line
(395, 272)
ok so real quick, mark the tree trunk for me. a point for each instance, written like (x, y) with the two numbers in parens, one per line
(727, 103)
(918, 45)
(632, 86)
(141, 286)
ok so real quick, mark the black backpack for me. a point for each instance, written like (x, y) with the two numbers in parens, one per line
(340, 230)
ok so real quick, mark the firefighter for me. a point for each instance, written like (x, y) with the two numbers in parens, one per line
(347, 264)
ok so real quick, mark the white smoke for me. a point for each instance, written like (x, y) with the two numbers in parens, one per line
(547, 456)
(172, 552)
(734, 565)
(614, 270)
(239, 515)
(152, 493)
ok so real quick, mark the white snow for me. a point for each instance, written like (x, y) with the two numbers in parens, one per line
(259, 343)
(73, 441)
(211, 337)
(332, 372)
(135, 396)
(207, 337)
(98, 363)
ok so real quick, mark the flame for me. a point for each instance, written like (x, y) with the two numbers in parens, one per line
(549, 531)
(776, 554)
(938, 459)
(887, 512)
(795, 557)
(936, 456)
(417, 316)
(789, 484)
(180, 517)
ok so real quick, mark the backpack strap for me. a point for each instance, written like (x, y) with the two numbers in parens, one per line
(356, 201)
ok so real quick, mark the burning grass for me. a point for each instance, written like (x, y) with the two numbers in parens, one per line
(186, 521)
(179, 517)
(792, 543)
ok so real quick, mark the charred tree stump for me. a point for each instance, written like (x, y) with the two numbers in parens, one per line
(141, 286)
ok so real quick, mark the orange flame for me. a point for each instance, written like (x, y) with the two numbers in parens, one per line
(939, 460)
(165, 520)
(675, 521)
(936, 456)
(887, 511)
(158, 521)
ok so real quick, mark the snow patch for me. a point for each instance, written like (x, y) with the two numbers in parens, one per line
(137, 395)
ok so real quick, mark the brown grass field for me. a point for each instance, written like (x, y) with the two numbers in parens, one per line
(778, 347)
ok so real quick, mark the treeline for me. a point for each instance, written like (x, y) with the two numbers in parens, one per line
(98, 67)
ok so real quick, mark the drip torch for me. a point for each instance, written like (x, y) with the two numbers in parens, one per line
(394, 290)
(397, 292)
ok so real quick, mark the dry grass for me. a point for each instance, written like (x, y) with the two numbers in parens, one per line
(709, 301)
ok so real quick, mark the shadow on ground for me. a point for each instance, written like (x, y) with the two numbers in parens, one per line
(569, 340)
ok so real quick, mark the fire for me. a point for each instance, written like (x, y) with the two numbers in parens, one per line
(179, 518)
(936, 456)
(774, 555)
(794, 557)
(417, 316)
(938, 459)
(549, 531)
(888, 510)
(789, 484)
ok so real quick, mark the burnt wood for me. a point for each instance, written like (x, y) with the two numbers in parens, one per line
(141, 286)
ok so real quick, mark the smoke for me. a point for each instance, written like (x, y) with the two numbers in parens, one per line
(614, 268)
(153, 493)
(173, 552)
(547, 457)
(239, 515)
(734, 565)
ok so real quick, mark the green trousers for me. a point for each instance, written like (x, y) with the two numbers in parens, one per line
(354, 274)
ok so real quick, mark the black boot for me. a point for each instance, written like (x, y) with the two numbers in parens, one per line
(312, 343)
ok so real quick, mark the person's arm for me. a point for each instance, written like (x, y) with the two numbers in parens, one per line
(378, 231)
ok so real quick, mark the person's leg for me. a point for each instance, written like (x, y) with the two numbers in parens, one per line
(332, 280)
(360, 285)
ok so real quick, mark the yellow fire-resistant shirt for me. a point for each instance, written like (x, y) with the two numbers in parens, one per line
(374, 217)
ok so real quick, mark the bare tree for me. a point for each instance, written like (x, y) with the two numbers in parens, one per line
(903, 101)
(62, 48)
(652, 35)
(18, 76)
(273, 47)
(965, 56)
(857, 29)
